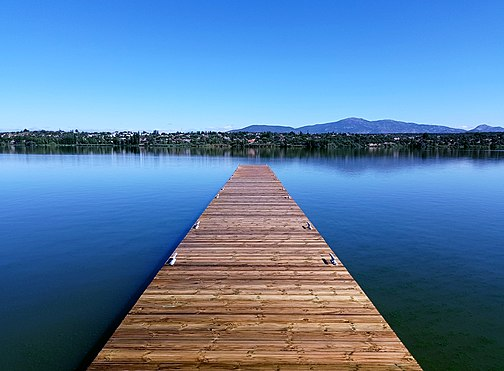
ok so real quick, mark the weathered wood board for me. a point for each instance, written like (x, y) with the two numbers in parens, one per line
(253, 288)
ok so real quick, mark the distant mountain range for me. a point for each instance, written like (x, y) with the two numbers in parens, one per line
(360, 126)
(487, 129)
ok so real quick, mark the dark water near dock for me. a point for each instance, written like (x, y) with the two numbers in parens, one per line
(82, 231)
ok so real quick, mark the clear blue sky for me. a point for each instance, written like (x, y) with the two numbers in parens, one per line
(199, 65)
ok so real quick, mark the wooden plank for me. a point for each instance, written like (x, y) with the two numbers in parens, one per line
(253, 288)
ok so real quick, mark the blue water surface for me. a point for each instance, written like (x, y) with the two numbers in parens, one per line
(81, 235)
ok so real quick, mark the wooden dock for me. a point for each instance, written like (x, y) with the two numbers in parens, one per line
(253, 288)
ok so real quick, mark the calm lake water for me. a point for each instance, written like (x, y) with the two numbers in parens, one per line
(82, 234)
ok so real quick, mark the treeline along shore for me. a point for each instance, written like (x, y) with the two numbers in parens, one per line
(130, 139)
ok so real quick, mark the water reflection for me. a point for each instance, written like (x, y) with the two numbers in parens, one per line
(87, 227)
(256, 152)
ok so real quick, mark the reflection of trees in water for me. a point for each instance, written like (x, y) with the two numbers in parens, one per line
(260, 152)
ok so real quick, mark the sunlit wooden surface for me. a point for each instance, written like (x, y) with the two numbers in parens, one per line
(253, 288)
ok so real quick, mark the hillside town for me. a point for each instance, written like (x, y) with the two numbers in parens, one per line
(29, 138)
